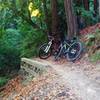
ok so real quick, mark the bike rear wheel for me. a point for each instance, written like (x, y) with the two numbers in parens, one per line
(74, 51)
(42, 53)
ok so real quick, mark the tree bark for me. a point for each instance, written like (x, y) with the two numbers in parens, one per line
(78, 2)
(86, 4)
(95, 6)
(55, 24)
(71, 19)
(99, 7)
(47, 20)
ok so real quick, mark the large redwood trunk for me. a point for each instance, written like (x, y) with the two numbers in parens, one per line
(99, 8)
(95, 6)
(47, 20)
(86, 4)
(78, 2)
(71, 19)
(55, 24)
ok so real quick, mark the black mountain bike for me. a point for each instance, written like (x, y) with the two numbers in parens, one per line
(71, 49)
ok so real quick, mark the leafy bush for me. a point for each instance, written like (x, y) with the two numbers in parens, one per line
(31, 43)
(88, 16)
(93, 43)
(3, 81)
(95, 57)
(93, 38)
(18, 43)
(9, 59)
(9, 51)
(90, 38)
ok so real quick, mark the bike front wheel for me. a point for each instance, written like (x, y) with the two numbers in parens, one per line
(43, 54)
(74, 51)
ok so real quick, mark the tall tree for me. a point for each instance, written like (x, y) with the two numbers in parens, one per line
(78, 2)
(95, 6)
(47, 20)
(55, 23)
(71, 19)
(86, 4)
(99, 7)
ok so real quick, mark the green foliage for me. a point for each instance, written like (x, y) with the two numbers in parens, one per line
(9, 59)
(95, 57)
(93, 39)
(88, 16)
(97, 35)
(31, 39)
(9, 51)
(12, 38)
(31, 43)
(90, 37)
(2, 32)
(5, 13)
(3, 81)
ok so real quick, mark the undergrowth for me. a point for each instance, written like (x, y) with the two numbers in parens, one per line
(93, 45)
(3, 81)
(95, 57)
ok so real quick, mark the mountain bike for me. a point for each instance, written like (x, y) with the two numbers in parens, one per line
(71, 49)
(45, 50)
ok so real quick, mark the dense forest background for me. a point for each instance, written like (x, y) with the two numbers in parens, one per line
(26, 24)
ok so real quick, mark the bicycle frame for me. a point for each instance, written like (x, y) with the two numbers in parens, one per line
(48, 46)
(69, 45)
(64, 46)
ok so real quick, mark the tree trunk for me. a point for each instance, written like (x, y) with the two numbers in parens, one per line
(95, 6)
(78, 2)
(99, 7)
(47, 20)
(86, 4)
(55, 24)
(71, 19)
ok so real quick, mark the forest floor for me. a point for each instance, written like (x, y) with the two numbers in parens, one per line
(63, 81)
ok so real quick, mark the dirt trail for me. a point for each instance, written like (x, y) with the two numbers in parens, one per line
(82, 76)
(63, 81)
(49, 86)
